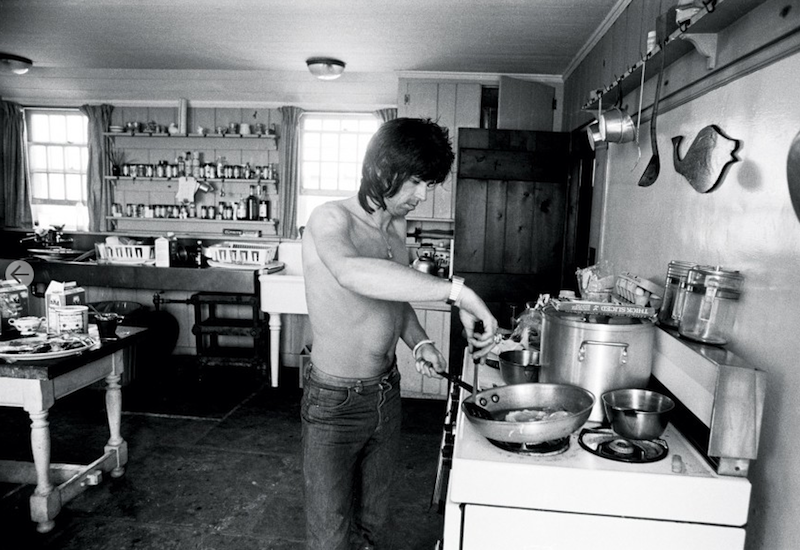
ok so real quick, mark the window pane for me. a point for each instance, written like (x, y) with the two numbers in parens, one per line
(331, 125)
(349, 144)
(369, 126)
(310, 123)
(56, 187)
(39, 128)
(58, 128)
(311, 175)
(73, 158)
(348, 176)
(330, 147)
(39, 185)
(311, 144)
(38, 157)
(350, 125)
(55, 158)
(76, 130)
(74, 189)
(328, 177)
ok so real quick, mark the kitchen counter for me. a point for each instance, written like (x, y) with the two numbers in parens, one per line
(144, 277)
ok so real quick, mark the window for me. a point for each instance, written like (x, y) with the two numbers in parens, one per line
(58, 152)
(332, 148)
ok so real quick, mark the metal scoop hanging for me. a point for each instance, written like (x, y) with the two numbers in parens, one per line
(653, 167)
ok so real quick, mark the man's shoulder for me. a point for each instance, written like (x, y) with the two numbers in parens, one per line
(332, 212)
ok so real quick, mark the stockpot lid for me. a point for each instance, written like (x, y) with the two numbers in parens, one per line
(605, 323)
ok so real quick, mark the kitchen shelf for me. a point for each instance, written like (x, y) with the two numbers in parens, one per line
(253, 181)
(699, 33)
(166, 135)
(193, 227)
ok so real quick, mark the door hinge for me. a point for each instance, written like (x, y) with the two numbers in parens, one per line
(555, 104)
(406, 99)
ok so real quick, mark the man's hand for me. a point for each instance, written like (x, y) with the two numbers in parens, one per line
(473, 313)
(430, 360)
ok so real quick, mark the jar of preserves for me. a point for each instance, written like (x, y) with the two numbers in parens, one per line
(669, 313)
(709, 307)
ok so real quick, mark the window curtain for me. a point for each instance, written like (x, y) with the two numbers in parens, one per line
(99, 197)
(14, 178)
(386, 114)
(288, 147)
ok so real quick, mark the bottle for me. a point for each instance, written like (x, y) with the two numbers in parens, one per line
(263, 204)
(252, 204)
(198, 257)
(181, 167)
(241, 210)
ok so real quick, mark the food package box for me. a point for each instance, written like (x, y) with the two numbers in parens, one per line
(60, 294)
(13, 302)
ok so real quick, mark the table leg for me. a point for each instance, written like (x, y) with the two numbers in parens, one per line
(114, 413)
(274, 347)
(45, 502)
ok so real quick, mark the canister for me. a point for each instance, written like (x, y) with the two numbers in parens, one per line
(710, 303)
(676, 274)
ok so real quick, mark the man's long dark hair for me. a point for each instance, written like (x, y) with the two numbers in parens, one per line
(402, 149)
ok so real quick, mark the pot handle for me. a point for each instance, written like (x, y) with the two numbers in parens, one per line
(623, 356)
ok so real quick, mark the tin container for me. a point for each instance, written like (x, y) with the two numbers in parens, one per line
(669, 314)
(710, 303)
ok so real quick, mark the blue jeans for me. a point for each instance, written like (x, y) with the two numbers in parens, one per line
(351, 440)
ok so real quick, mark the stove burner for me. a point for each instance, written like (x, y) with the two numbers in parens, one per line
(604, 443)
(548, 448)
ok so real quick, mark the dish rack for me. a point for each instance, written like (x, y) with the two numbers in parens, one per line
(124, 253)
(631, 289)
(244, 254)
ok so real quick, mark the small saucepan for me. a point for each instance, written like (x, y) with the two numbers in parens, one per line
(520, 366)
(636, 413)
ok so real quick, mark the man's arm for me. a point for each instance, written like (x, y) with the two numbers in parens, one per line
(427, 357)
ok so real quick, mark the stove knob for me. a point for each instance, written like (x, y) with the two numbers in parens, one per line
(678, 467)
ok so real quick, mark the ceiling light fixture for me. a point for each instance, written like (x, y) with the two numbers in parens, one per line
(325, 68)
(14, 64)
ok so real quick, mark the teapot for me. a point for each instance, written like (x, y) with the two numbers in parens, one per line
(425, 261)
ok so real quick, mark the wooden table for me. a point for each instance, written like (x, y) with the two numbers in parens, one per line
(35, 386)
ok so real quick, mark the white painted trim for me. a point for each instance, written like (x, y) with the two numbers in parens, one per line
(493, 78)
(598, 34)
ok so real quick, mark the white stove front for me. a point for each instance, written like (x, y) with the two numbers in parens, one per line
(502, 499)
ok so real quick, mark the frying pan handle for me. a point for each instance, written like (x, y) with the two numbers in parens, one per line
(457, 381)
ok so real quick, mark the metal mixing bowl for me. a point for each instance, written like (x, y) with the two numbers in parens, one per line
(637, 414)
(520, 366)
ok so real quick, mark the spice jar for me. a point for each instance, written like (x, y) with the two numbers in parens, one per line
(709, 308)
(669, 314)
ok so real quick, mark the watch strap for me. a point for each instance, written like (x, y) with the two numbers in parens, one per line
(456, 284)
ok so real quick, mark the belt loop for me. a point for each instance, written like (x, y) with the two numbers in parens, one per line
(359, 387)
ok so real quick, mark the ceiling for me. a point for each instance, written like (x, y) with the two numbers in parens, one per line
(499, 36)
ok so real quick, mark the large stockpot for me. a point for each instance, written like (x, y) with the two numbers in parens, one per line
(598, 353)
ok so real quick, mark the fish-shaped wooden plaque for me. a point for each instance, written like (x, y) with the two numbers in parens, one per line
(708, 159)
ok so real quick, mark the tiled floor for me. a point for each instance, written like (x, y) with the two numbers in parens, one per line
(213, 464)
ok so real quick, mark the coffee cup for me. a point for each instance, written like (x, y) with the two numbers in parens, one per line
(26, 325)
(72, 319)
(107, 325)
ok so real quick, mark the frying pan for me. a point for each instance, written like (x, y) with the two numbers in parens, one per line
(577, 402)
(793, 174)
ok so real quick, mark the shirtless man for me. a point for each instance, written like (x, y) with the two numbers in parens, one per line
(358, 285)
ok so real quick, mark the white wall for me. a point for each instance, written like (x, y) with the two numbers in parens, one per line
(747, 224)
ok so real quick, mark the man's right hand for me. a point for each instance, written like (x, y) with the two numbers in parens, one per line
(472, 310)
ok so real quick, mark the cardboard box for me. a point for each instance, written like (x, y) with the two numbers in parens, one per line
(13, 302)
(58, 295)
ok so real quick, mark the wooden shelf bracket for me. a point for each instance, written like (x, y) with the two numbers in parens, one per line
(706, 45)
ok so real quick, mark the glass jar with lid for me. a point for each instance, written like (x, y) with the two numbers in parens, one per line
(709, 306)
(669, 313)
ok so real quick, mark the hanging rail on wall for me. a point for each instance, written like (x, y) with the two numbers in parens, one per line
(704, 25)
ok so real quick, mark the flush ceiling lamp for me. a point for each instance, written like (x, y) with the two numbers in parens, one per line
(325, 68)
(14, 64)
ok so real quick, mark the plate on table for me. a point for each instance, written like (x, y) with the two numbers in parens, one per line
(55, 253)
(42, 347)
(225, 265)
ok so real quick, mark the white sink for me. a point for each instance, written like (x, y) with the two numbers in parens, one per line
(282, 292)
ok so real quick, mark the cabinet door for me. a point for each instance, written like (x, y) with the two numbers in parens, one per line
(437, 325)
(525, 105)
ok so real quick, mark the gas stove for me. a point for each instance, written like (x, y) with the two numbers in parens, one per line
(574, 497)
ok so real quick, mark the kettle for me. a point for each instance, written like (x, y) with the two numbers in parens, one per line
(425, 261)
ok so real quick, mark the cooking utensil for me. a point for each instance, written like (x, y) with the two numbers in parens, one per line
(575, 403)
(520, 366)
(636, 413)
(793, 173)
(653, 167)
(596, 352)
(473, 408)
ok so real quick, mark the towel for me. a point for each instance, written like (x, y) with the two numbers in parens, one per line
(187, 186)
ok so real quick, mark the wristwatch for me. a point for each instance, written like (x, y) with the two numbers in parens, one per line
(456, 284)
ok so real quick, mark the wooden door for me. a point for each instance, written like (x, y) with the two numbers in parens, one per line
(511, 216)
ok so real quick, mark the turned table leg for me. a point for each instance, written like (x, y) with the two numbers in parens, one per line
(45, 502)
(114, 413)
(274, 347)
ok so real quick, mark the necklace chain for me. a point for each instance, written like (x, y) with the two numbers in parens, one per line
(384, 237)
